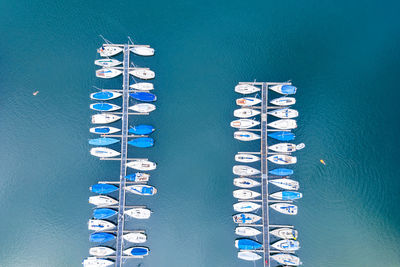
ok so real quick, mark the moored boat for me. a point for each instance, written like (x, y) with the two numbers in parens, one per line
(285, 208)
(103, 188)
(284, 89)
(281, 172)
(244, 123)
(143, 190)
(137, 252)
(109, 50)
(246, 218)
(286, 259)
(245, 113)
(283, 101)
(103, 213)
(142, 165)
(143, 107)
(100, 225)
(247, 231)
(282, 136)
(104, 130)
(244, 170)
(246, 89)
(107, 62)
(141, 129)
(286, 245)
(138, 177)
(245, 194)
(284, 233)
(104, 118)
(101, 251)
(283, 124)
(142, 51)
(247, 244)
(104, 152)
(138, 213)
(288, 184)
(249, 256)
(107, 73)
(104, 107)
(246, 136)
(143, 96)
(98, 262)
(135, 237)
(286, 147)
(104, 95)
(246, 206)
(101, 237)
(142, 86)
(248, 101)
(286, 195)
(142, 142)
(103, 141)
(282, 159)
(245, 182)
(102, 200)
(284, 113)
(244, 157)
(143, 74)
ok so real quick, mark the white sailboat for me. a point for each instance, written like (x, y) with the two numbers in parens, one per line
(282, 159)
(284, 113)
(102, 200)
(283, 101)
(245, 194)
(107, 62)
(285, 208)
(142, 86)
(283, 124)
(286, 147)
(248, 256)
(286, 245)
(245, 113)
(104, 118)
(244, 170)
(107, 73)
(246, 206)
(286, 259)
(142, 165)
(101, 251)
(143, 74)
(100, 225)
(246, 136)
(143, 108)
(138, 213)
(245, 182)
(284, 183)
(109, 50)
(96, 262)
(246, 218)
(247, 231)
(142, 51)
(284, 89)
(135, 237)
(244, 123)
(248, 101)
(247, 158)
(284, 233)
(246, 89)
(104, 152)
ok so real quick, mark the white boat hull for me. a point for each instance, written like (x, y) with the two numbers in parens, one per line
(247, 231)
(102, 200)
(286, 245)
(244, 170)
(249, 256)
(248, 101)
(246, 89)
(244, 123)
(284, 233)
(285, 113)
(101, 251)
(250, 218)
(113, 107)
(104, 118)
(245, 113)
(245, 194)
(286, 259)
(104, 152)
(138, 213)
(95, 262)
(107, 62)
(107, 73)
(109, 51)
(100, 225)
(112, 130)
(288, 184)
(142, 86)
(246, 136)
(285, 208)
(142, 51)
(135, 237)
(245, 206)
(143, 74)
(283, 124)
(282, 159)
(283, 147)
(142, 165)
(129, 252)
(245, 182)
(283, 101)
(143, 108)
(115, 95)
(246, 158)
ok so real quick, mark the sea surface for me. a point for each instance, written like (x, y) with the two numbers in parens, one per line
(342, 55)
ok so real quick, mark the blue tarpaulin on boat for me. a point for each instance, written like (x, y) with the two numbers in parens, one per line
(282, 136)
(142, 142)
(248, 244)
(288, 89)
(103, 141)
(103, 95)
(102, 130)
(281, 172)
(139, 251)
(290, 195)
(102, 106)
(141, 129)
(143, 96)
(101, 237)
(103, 213)
(103, 188)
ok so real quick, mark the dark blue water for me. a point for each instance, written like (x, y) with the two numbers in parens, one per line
(343, 56)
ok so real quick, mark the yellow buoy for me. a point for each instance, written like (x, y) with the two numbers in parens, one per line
(322, 161)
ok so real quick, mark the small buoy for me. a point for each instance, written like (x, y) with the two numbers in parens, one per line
(322, 161)
(36, 92)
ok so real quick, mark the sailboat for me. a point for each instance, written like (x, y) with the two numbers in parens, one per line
(109, 50)
(143, 74)
(107, 62)
(104, 95)
(246, 89)
(142, 51)
(107, 73)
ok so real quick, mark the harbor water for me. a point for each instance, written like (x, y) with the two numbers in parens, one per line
(343, 57)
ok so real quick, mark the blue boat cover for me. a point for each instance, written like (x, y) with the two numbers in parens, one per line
(103, 188)
(147, 190)
(141, 129)
(290, 195)
(288, 89)
(281, 172)
(101, 237)
(102, 106)
(139, 251)
(103, 213)
(248, 244)
(132, 177)
(143, 96)
(103, 95)
(282, 136)
(102, 130)
(142, 142)
(103, 141)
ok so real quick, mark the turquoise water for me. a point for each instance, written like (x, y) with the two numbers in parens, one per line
(343, 56)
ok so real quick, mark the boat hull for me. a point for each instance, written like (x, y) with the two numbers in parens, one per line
(104, 95)
(284, 233)
(143, 96)
(103, 213)
(101, 251)
(143, 51)
(283, 101)
(245, 218)
(143, 108)
(104, 118)
(142, 142)
(245, 182)
(107, 62)
(142, 165)
(246, 89)
(107, 73)
(142, 86)
(288, 184)
(143, 190)
(248, 101)
(104, 130)
(245, 194)
(247, 231)
(245, 113)
(143, 74)
(246, 136)
(246, 158)
(135, 237)
(138, 213)
(244, 170)
(282, 159)
(282, 136)
(138, 177)
(141, 129)
(285, 208)
(246, 206)
(283, 124)
(249, 256)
